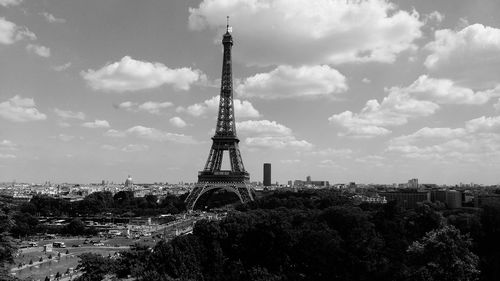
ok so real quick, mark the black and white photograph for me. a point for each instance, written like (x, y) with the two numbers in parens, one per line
(266, 140)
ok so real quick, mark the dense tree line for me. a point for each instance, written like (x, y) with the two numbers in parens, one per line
(123, 202)
(25, 220)
(321, 235)
(7, 248)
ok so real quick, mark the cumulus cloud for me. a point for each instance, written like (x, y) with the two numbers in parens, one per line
(342, 152)
(262, 127)
(477, 140)
(151, 134)
(149, 106)
(471, 55)
(62, 67)
(420, 99)
(68, 114)
(435, 16)
(294, 82)
(290, 161)
(242, 108)
(445, 91)
(20, 109)
(38, 50)
(96, 124)
(484, 124)
(10, 33)
(7, 156)
(497, 105)
(395, 109)
(6, 3)
(299, 32)
(129, 75)
(277, 142)
(108, 147)
(425, 134)
(135, 148)
(65, 138)
(51, 18)
(7, 145)
(270, 134)
(177, 122)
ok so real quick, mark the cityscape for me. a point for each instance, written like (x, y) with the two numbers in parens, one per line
(329, 161)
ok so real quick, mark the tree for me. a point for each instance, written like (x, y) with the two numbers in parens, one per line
(75, 227)
(442, 255)
(94, 267)
(7, 247)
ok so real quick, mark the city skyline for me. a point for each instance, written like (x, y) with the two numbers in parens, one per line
(102, 89)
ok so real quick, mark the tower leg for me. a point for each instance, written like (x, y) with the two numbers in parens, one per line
(242, 189)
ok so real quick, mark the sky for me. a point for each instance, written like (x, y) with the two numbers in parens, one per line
(370, 91)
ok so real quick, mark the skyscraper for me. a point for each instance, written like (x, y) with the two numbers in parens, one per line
(267, 174)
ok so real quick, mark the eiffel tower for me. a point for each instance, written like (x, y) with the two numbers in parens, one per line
(212, 177)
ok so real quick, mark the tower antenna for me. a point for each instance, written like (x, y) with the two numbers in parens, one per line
(227, 23)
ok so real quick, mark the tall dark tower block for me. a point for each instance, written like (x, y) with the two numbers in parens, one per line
(267, 174)
(212, 177)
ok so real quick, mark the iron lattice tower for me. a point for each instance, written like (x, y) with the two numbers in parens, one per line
(212, 177)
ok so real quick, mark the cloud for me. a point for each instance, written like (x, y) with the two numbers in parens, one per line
(426, 134)
(471, 55)
(6, 3)
(242, 109)
(420, 99)
(128, 75)
(62, 67)
(290, 161)
(108, 147)
(149, 106)
(435, 16)
(394, 110)
(478, 141)
(135, 148)
(372, 160)
(483, 124)
(38, 50)
(151, 134)
(68, 114)
(7, 156)
(19, 109)
(96, 124)
(10, 33)
(51, 18)
(277, 142)
(177, 122)
(338, 153)
(7, 145)
(65, 138)
(262, 127)
(299, 32)
(270, 134)
(497, 105)
(290, 82)
(445, 91)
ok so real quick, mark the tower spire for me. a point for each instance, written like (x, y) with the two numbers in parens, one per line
(227, 24)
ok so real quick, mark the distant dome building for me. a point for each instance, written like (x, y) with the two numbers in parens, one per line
(129, 182)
